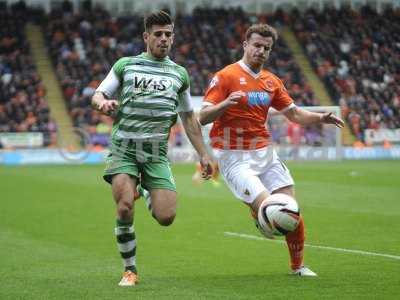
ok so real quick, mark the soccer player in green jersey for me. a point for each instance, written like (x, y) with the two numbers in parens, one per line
(151, 90)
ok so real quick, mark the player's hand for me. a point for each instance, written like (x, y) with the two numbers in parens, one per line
(330, 118)
(107, 107)
(234, 98)
(206, 167)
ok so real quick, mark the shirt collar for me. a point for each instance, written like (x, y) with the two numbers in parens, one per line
(248, 70)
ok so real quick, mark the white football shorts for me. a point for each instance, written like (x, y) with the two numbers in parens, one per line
(250, 172)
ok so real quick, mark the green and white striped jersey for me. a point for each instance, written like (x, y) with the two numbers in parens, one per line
(150, 93)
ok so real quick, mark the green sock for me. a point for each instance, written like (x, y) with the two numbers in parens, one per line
(126, 241)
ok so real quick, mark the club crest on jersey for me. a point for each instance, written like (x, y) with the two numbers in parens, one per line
(213, 82)
(269, 84)
(258, 98)
(242, 81)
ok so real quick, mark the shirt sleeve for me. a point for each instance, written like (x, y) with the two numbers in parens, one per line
(185, 79)
(185, 101)
(109, 85)
(282, 100)
(184, 98)
(217, 90)
(119, 67)
(114, 78)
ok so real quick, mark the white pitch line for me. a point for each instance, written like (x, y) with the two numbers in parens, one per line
(253, 237)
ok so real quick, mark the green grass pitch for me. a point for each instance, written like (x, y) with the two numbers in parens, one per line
(57, 242)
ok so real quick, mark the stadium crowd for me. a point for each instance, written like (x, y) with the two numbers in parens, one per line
(22, 94)
(357, 55)
(84, 47)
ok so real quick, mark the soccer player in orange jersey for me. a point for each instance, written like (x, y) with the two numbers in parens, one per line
(237, 102)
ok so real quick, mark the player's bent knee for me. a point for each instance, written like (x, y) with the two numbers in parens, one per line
(164, 207)
(165, 218)
(166, 221)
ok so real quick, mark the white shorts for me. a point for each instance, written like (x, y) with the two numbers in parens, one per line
(248, 173)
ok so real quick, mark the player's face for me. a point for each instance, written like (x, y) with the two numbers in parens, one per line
(257, 49)
(159, 40)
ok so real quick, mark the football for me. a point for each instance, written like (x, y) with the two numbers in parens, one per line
(278, 215)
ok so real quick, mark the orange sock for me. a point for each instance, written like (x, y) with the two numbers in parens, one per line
(295, 242)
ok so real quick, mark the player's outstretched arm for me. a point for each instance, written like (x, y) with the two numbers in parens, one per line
(193, 131)
(304, 117)
(209, 113)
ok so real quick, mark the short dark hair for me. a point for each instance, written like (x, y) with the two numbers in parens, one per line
(263, 30)
(157, 18)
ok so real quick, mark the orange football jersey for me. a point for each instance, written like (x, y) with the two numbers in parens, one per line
(242, 126)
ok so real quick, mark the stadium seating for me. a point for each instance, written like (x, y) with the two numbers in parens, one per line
(356, 54)
(23, 107)
(209, 39)
(84, 47)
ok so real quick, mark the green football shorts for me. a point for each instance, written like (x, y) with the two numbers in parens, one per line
(153, 173)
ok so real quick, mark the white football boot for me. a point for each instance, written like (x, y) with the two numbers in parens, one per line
(303, 271)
